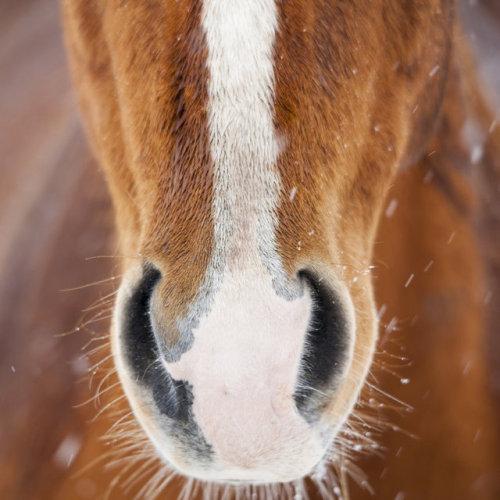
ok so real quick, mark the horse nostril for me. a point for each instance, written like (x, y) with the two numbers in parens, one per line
(325, 348)
(141, 350)
(137, 331)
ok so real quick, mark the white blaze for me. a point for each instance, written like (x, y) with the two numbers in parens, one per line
(250, 321)
(240, 36)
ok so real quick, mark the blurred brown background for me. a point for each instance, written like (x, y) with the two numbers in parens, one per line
(54, 215)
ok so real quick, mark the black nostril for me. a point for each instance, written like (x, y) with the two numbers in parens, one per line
(172, 397)
(137, 331)
(325, 348)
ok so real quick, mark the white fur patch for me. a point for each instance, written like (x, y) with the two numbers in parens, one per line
(243, 369)
(240, 36)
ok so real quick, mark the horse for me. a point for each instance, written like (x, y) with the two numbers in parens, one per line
(269, 163)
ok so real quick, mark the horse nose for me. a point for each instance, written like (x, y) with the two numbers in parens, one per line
(273, 372)
(326, 347)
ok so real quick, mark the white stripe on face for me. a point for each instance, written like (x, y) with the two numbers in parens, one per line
(240, 36)
(250, 321)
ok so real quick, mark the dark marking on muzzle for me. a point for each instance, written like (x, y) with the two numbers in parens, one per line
(325, 349)
(173, 398)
